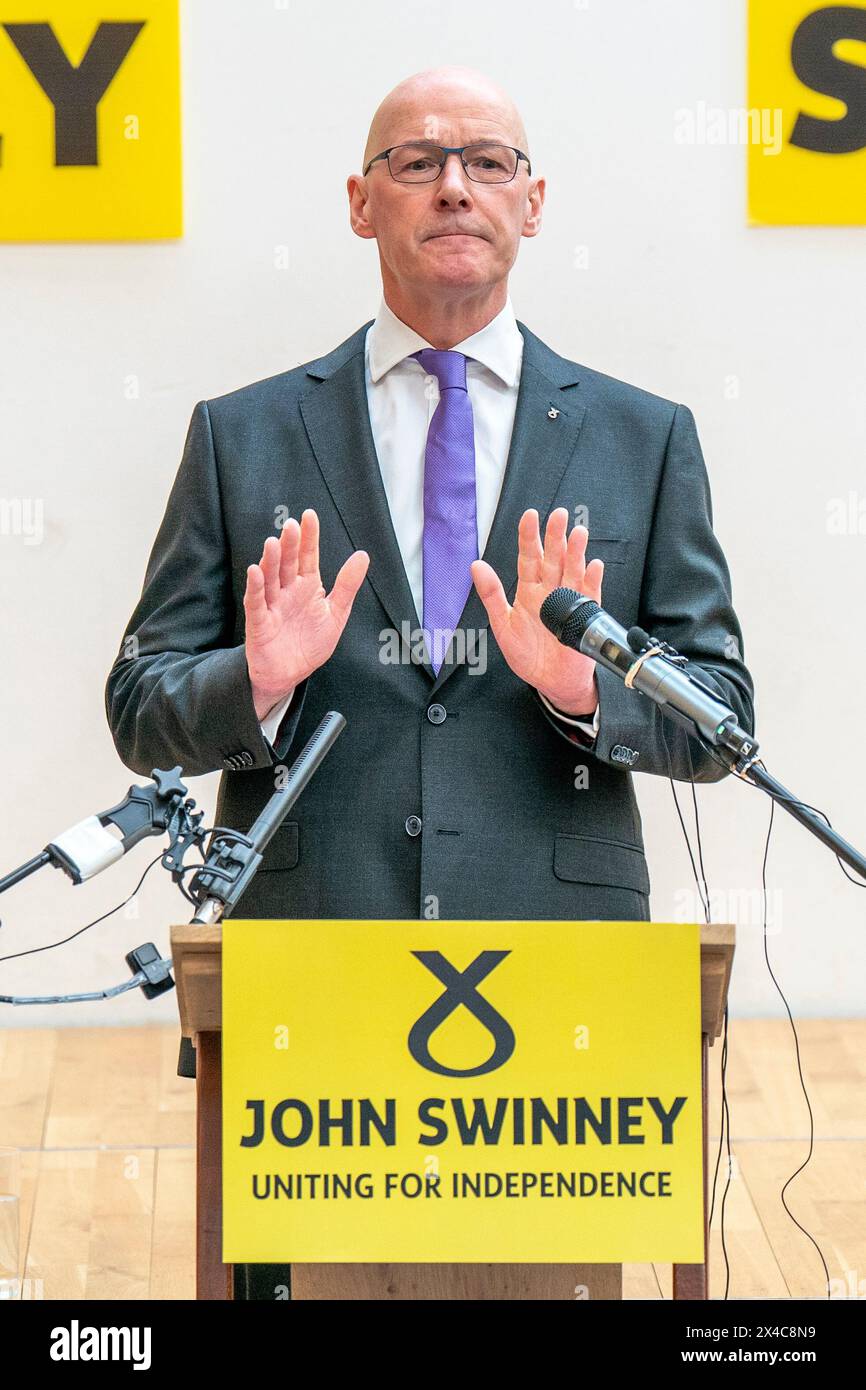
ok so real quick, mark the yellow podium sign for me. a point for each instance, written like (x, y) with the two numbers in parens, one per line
(423, 1091)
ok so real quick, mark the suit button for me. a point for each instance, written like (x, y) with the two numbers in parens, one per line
(236, 761)
(437, 714)
(413, 825)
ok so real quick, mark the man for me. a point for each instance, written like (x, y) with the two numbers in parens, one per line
(488, 778)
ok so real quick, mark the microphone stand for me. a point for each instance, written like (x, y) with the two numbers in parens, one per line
(230, 864)
(750, 771)
(738, 749)
(581, 624)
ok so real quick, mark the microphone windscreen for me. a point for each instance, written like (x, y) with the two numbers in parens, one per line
(567, 614)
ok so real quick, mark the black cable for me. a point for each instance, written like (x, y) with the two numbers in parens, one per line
(799, 1064)
(725, 1126)
(724, 1134)
(858, 883)
(704, 904)
(177, 875)
(726, 1115)
(785, 800)
(139, 979)
(708, 909)
(34, 950)
(794, 802)
(725, 1129)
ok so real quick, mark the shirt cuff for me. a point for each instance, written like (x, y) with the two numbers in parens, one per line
(271, 723)
(590, 729)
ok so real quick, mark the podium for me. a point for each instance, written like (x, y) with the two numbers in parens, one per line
(197, 955)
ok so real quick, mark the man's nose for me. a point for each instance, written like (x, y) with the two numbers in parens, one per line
(454, 184)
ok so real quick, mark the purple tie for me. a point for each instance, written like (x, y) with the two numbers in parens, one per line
(450, 525)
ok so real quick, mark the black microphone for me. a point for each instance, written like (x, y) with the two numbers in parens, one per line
(647, 665)
(233, 858)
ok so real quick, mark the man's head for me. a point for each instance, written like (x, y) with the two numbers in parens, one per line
(453, 238)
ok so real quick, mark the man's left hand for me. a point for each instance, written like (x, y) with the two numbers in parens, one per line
(564, 676)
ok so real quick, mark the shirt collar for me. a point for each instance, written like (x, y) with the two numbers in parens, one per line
(497, 346)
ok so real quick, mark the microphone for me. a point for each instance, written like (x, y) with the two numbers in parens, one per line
(646, 664)
(99, 841)
(233, 858)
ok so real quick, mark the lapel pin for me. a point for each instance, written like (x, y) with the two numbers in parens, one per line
(553, 413)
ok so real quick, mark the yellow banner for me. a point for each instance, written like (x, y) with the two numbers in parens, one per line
(90, 142)
(419, 1091)
(807, 78)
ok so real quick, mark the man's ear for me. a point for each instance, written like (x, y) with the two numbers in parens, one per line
(356, 187)
(532, 225)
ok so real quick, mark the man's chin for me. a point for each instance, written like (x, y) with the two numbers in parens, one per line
(456, 260)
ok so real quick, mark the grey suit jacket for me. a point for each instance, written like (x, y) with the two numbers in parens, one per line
(451, 796)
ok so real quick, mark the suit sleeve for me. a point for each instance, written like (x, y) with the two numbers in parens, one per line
(685, 600)
(179, 690)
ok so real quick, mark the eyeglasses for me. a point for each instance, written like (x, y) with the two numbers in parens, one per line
(422, 162)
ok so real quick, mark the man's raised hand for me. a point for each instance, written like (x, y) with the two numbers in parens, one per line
(292, 625)
(566, 677)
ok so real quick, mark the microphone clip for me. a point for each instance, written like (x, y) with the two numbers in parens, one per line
(640, 643)
(101, 840)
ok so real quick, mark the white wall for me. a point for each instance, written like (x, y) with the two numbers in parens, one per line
(678, 296)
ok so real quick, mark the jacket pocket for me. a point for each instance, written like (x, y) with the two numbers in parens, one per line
(282, 852)
(612, 549)
(587, 859)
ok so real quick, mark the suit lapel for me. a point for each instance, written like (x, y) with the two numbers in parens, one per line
(337, 420)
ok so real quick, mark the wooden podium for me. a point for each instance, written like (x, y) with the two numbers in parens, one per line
(197, 955)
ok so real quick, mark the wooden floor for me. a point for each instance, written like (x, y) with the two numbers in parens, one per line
(106, 1130)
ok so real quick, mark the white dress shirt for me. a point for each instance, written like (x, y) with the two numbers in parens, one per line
(402, 399)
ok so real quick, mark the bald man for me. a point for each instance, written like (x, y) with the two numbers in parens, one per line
(446, 247)
(486, 770)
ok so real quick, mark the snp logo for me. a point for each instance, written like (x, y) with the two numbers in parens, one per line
(76, 1343)
(461, 990)
(809, 60)
(89, 120)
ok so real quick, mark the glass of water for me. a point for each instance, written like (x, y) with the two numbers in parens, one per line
(10, 1200)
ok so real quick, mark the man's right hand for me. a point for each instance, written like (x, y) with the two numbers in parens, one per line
(292, 626)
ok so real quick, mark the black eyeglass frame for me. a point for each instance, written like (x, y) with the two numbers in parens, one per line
(451, 149)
